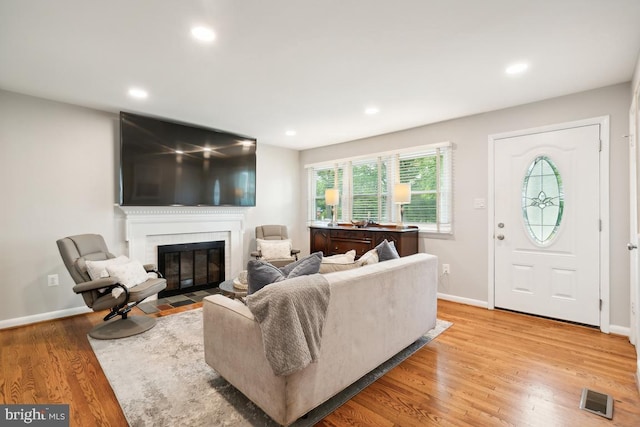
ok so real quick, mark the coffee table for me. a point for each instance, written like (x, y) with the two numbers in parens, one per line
(228, 290)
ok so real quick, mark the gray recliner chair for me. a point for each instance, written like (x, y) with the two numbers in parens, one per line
(275, 232)
(75, 251)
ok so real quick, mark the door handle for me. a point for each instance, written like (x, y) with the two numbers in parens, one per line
(631, 246)
(500, 237)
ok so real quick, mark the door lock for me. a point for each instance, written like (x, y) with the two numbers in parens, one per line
(501, 225)
(500, 237)
(631, 246)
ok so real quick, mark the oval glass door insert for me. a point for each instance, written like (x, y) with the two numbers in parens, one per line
(542, 200)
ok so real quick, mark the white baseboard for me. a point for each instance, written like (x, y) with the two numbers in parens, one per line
(462, 300)
(19, 321)
(619, 330)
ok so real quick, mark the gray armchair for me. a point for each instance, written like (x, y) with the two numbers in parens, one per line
(274, 232)
(75, 251)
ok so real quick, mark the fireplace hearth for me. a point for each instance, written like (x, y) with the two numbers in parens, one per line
(190, 267)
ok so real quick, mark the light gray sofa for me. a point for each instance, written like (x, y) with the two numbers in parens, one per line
(374, 312)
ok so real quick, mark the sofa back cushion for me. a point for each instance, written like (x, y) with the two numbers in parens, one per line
(262, 273)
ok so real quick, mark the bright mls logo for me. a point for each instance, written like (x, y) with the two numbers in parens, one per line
(36, 415)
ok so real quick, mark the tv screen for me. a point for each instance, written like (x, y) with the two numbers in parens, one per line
(165, 163)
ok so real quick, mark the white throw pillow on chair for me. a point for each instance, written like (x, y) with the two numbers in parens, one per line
(98, 269)
(274, 249)
(129, 274)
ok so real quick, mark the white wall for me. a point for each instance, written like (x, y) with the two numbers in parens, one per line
(58, 166)
(466, 250)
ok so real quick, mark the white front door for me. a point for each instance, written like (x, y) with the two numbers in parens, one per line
(547, 223)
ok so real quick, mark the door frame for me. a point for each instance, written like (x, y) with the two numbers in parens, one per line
(634, 184)
(603, 121)
(633, 220)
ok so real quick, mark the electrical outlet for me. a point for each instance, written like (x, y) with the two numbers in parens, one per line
(53, 280)
(445, 269)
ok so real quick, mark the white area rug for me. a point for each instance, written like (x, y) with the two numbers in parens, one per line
(161, 379)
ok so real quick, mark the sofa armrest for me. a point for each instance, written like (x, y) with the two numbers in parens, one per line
(231, 305)
(233, 347)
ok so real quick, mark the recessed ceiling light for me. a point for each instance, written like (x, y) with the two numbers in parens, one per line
(136, 92)
(179, 152)
(516, 68)
(207, 149)
(372, 110)
(290, 132)
(203, 34)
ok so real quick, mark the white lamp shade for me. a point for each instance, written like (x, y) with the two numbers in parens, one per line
(332, 196)
(402, 193)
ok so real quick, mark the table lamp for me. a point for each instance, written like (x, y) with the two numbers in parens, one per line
(332, 198)
(402, 196)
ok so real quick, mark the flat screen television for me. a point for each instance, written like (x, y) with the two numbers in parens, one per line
(166, 163)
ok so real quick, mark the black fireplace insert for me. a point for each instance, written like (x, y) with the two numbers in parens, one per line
(190, 267)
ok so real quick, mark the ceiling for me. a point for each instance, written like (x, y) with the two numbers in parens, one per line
(314, 66)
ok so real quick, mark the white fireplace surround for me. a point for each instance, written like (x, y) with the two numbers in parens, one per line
(146, 228)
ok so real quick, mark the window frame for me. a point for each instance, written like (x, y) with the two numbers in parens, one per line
(443, 152)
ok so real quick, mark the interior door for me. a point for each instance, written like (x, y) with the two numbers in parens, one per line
(547, 224)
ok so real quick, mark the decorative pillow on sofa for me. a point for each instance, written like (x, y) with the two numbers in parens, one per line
(330, 267)
(274, 249)
(345, 258)
(129, 274)
(387, 250)
(370, 257)
(98, 269)
(262, 273)
(339, 262)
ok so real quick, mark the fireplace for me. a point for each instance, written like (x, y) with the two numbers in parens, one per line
(190, 267)
(148, 227)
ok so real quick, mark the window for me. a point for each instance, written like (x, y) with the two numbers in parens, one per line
(369, 190)
(325, 178)
(429, 173)
(542, 200)
(366, 187)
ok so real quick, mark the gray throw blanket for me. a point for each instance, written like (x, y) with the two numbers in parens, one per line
(291, 315)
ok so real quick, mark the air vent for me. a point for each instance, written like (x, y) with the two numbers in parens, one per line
(597, 403)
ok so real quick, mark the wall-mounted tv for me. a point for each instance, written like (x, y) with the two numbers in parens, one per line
(166, 163)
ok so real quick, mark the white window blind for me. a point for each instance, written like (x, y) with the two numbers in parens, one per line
(429, 174)
(323, 179)
(369, 190)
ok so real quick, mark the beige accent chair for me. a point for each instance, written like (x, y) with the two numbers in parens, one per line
(274, 232)
(75, 251)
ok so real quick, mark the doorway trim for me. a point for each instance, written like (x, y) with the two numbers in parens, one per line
(603, 121)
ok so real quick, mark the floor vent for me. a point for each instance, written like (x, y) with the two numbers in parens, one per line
(597, 403)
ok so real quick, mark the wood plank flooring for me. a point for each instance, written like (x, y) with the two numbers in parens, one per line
(491, 368)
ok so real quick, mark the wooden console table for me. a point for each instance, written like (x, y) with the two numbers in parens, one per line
(340, 239)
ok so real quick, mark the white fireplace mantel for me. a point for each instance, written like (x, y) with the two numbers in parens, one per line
(146, 227)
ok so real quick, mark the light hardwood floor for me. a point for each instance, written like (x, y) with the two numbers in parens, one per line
(491, 368)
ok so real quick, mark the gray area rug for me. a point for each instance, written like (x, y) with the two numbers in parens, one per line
(161, 379)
